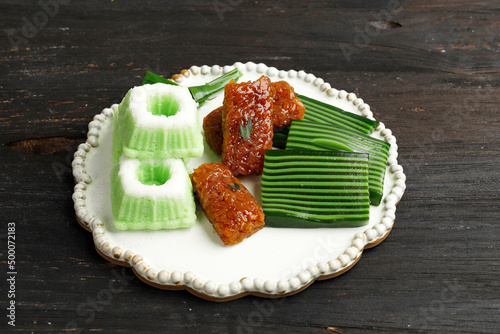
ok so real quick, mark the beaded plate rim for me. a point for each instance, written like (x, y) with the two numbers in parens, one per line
(210, 290)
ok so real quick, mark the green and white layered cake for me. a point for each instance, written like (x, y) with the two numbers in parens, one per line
(157, 121)
(151, 194)
(156, 129)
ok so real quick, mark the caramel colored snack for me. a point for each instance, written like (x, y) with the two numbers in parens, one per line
(247, 125)
(286, 106)
(228, 205)
(212, 127)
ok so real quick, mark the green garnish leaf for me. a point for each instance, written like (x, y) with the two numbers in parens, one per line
(199, 93)
(235, 186)
(201, 103)
(202, 93)
(245, 131)
(151, 78)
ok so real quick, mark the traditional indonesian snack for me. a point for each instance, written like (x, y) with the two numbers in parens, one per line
(286, 106)
(308, 188)
(159, 121)
(279, 138)
(116, 145)
(212, 128)
(228, 205)
(247, 125)
(315, 136)
(320, 112)
(151, 194)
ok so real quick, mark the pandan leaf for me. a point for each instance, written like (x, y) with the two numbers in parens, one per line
(151, 78)
(246, 131)
(235, 186)
(199, 93)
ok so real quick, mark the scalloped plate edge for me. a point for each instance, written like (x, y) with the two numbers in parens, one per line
(208, 290)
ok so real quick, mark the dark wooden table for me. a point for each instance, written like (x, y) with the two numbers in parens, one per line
(429, 70)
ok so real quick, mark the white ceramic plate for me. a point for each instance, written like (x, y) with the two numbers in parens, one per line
(274, 261)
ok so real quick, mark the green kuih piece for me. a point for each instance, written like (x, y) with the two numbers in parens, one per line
(310, 188)
(320, 112)
(158, 121)
(151, 194)
(315, 136)
(116, 144)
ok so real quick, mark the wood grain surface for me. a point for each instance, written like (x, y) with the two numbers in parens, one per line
(430, 70)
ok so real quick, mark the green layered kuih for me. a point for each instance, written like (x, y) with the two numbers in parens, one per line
(321, 112)
(144, 143)
(316, 136)
(310, 188)
(135, 213)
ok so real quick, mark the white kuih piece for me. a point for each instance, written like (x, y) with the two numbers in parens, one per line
(151, 194)
(157, 121)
